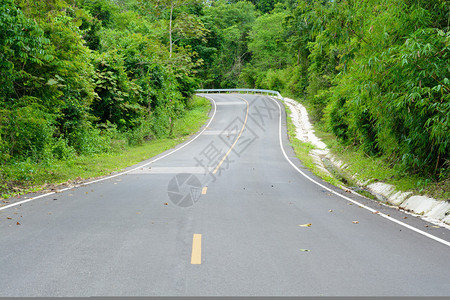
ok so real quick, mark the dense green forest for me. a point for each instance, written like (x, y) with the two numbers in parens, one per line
(80, 77)
(88, 77)
(375, 73)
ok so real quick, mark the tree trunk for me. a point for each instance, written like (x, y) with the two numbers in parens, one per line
(170, 29)
(170, 127)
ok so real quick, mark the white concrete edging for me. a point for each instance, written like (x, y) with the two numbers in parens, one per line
(430, 209)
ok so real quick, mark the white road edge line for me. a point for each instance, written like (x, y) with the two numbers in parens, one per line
(125, 172)
(348, 199)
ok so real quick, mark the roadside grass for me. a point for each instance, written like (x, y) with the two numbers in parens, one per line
(372, 169)
(303, 149)
(368, 168)
(25, 177)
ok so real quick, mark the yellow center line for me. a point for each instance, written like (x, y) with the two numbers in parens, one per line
(232, 146)
(205, 188)
(196, 257)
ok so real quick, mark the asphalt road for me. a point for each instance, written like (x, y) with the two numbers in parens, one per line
(219, 216)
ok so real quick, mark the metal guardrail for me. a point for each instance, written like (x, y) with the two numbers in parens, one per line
(276, 93)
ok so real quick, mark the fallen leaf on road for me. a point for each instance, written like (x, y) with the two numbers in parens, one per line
(376, 212)
(17, 223)
(305, 250)
(405, 217)
(166, 203)
(330, 210)
(349, 203)
(435, 226)
(305, 225)
(355, 222)
(9, 218)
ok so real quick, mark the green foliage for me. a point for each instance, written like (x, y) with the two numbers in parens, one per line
(27, 131)
(92, 76)
(61, 150)
(117, 95)
(267, 42)
(89, 77)
(375, 73)
(87, 140)
(22, 53)
(229, 24)
(390, 95)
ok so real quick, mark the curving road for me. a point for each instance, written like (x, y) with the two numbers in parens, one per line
(219, 216)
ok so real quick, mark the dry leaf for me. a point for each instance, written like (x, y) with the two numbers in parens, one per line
(9, 218)
(376, 212)
(349, 203)
(166, 203)
(405, 217)
(355, 222)
(305, 225)
(330, 210)
(17, 223)
(305, 250)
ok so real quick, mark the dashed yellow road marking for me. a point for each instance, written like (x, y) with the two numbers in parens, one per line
(232, 146)
(196, 257)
